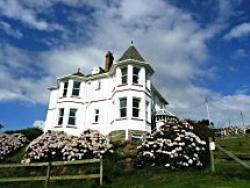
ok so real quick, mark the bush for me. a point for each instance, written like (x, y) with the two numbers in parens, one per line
(60, 146)
(30, 133)
(173, 146)
(10, 143)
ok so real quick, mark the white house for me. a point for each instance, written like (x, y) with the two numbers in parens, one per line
(119, 96)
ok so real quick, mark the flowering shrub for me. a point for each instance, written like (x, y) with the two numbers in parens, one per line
(60, 146)
(10, 143)
(174, 146)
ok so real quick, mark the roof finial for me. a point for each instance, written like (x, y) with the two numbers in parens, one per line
(132, 42)
(78, 70)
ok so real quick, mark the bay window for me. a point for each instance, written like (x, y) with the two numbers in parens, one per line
(60, 117)
(123, 107)
(136, 107)
(72, 116)
(124, 71)
(136, 71)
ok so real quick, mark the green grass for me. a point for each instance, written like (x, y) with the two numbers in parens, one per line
(227, 176)
(237, 145)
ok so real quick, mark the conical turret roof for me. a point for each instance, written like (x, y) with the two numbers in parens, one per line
(131, 53)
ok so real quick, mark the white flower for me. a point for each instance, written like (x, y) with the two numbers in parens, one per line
(190, 161)
(167, 165)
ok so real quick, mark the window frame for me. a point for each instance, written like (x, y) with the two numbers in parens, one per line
(135, 75)
(60, 116)
(76, 89)
(147, 110)
(124, 76)
(98, 86)
(65, 89)
(136, 109)
(72, 117)
(97, 113)
(123, 109)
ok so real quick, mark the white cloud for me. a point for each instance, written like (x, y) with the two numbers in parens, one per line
(16, 10)
(238, 31)
(38, 124)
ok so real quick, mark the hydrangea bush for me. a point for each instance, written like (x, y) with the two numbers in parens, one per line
(10, 143)
(173, 146)
(61, 146)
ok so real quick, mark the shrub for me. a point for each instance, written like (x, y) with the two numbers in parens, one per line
(30, 133)
(61, 146)
(10, 143)
(173, 146)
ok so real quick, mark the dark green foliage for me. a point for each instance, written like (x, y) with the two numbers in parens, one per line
(1, 126)
(30, 133)
(201, 128)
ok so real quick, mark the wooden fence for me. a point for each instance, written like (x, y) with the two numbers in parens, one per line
(48, 176)
(227, 153)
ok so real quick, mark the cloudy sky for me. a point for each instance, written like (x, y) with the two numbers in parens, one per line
(199, 49)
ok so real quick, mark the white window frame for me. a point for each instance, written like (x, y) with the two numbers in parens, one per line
(65, 89)
(136, 108)
(60, 116)
(76, 89)
(123, 107)
(72, 116)
(97, 112)
(98, 85)
(147, 111)
(124, 76)
(136, 75)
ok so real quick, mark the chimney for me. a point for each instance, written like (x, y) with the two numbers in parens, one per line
(108, 61)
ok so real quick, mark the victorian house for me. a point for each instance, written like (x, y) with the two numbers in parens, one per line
(119, 96)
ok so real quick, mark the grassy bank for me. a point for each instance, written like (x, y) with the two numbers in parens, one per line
(119, 172)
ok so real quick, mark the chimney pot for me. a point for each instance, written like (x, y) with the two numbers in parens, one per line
(108, 61)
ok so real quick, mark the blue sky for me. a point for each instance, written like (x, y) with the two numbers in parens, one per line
(199, 49)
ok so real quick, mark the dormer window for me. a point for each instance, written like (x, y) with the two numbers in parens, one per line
(65, 88)
(136, 71)
(76, 88)
(124, 75)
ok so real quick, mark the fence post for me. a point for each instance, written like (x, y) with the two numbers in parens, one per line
(48, 169)
(211, 146)
(101, 171)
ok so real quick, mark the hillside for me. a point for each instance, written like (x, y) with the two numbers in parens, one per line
(119, 172)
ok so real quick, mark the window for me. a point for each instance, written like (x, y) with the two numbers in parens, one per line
(136, 71)
(136, 105)
(76, 88)
(96, 115)
(146, 112)
(61, 114)
(98, 85)
(124, 75)
(65, 88)
(123, 107)
(72, 116)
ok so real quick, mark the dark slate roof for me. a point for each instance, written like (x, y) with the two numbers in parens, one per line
(131, 53)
